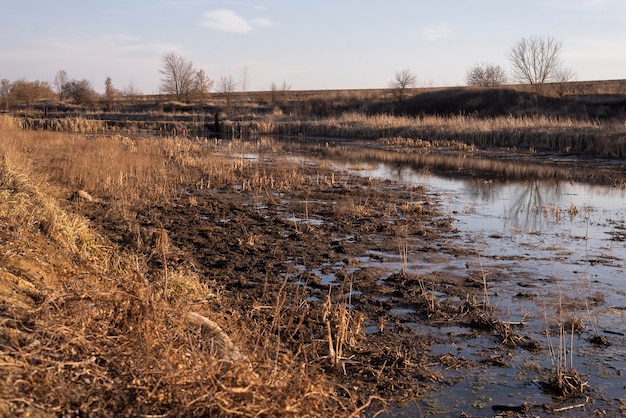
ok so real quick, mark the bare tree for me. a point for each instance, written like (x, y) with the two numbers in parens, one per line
(177, 76)
(203, 85)
(131, 90)
(109, 92)
(564, 75)
(279, 93)
(486, 75)
(402, 81)
(5, 93)
(244, 79)
(227, 86)
(80, 92)
(536, 60)
(59, 83)
(562, 78)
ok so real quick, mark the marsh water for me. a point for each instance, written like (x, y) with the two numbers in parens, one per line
(550, 243)
(552, 253)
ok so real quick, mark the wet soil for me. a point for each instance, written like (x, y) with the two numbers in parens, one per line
(303, 263)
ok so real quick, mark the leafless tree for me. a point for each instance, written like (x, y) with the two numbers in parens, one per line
(59, 83)
(178, 76)
(486, 75)
(202, 85)
(536, 60)
(227, 86)
(80, 92)
(279, 93)
(244, 79)
(563, 77)
(402, 81)
(109, 92)
(5, 93)
(131, 90)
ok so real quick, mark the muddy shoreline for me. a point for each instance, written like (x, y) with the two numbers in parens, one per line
(384, 335)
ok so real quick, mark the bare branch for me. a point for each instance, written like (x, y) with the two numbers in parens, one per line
(402, 81)
(486, 75)
(535, 60)
(177, 76)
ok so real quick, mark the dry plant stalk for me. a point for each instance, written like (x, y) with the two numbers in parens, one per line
(347, 328)
(162, 248)
(565, 379)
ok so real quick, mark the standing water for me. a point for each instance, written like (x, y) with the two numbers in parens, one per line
(552, 256)
(555, 246)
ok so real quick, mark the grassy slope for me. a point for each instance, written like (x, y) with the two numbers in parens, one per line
(86, 329)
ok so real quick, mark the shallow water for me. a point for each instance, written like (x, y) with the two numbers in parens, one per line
(550, 241)
(542, 245)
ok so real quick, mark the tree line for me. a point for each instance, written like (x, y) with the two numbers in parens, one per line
(180, 79)
(80, 92)
(534, 60)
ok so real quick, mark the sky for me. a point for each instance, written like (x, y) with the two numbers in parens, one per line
(307, 45)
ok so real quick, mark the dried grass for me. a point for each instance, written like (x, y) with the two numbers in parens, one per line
(95, 337)
(462, 132)
(564, 379)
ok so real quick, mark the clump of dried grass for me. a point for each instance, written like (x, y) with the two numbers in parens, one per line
(344, 330)
(23, 198)
(563, 379)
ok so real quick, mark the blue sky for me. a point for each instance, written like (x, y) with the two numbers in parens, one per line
(323, 44)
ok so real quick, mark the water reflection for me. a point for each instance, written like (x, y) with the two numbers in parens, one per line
(532, 205)
(509, 192)
(544, 236)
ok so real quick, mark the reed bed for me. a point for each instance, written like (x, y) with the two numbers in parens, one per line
(558, 134)
(143, 169)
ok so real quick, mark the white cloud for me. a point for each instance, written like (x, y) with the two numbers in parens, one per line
(224, 20)
(436, 32)
(262, 23)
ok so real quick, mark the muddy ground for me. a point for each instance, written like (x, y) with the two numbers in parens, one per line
(301, 263)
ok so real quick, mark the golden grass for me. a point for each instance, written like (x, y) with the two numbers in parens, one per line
(33, 209)
(106, 338)
(607, 139)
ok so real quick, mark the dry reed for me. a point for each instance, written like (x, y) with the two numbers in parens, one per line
(561, 134)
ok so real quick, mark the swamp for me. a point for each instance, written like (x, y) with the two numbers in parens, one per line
(303, 267)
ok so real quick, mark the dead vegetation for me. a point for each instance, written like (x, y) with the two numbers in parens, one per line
(190, 301)
(89, 327)
(567, 118)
